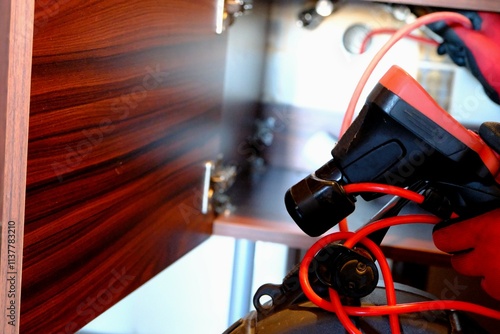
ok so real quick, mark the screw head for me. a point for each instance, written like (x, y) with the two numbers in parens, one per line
(361, 268)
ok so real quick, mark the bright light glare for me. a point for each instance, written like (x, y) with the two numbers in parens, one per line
(324, 7)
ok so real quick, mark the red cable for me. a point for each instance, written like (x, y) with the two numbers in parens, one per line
(374, 32)
(434, 305)
(333, 306)
(404, 31)
(392, 310)
(378, 188)
(341, 313)
(385, 189)
(387, 222)
(355, 188)
(343, 227)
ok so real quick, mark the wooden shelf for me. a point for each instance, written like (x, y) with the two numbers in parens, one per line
(260, 215)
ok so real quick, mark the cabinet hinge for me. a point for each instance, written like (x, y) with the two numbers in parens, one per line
(228, 11)
(219, 177)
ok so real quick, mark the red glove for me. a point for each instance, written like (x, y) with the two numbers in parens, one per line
(477, 49)
(475, 245)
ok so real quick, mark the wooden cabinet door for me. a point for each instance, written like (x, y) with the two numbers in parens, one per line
(125, 109)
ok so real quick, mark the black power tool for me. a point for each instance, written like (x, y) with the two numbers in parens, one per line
(401, 137)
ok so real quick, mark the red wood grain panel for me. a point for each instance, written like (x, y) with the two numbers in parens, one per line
(125, 110)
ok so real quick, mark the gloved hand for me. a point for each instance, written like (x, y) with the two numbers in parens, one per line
(475, 245)
(477, 49)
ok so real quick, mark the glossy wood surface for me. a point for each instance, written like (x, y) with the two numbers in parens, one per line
(125, 107)
(15, 64)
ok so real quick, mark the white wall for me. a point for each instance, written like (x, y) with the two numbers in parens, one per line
(190, 296)
(469, 103)
(312, 69)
